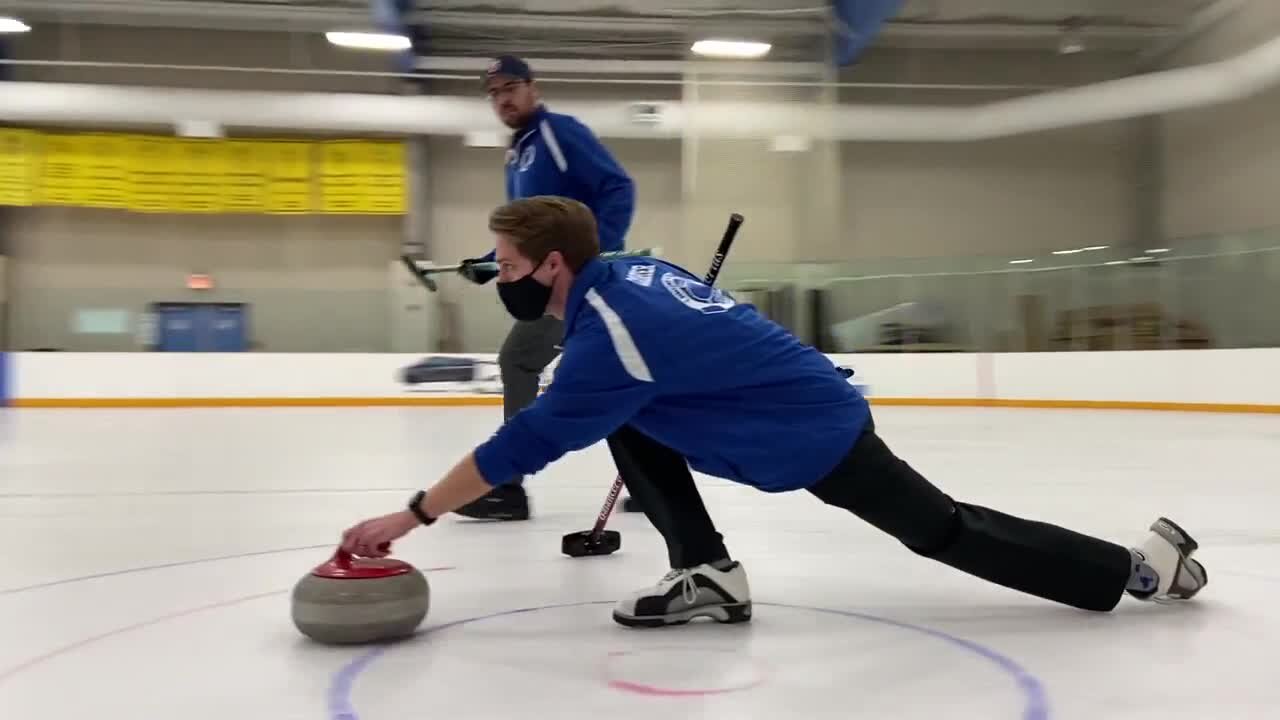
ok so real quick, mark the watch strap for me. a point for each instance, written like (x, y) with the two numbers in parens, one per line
(415, 507)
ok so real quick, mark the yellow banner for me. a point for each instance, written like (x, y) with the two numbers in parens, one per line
(362, 177)
(157, 174)
(385, 190)
(153, 174)
(60, 171)
(18, 151)
(244, 178)
(103, 173)
(342, 185)
(289, 169)
(200, 176)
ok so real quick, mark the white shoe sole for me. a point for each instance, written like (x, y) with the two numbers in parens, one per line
(722, 613)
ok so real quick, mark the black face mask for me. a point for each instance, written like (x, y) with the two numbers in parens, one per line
(526, 299)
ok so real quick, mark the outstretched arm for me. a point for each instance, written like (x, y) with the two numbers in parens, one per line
(593, 394)
(597, 389)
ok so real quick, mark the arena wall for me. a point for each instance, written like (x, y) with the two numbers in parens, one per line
(1187, 380)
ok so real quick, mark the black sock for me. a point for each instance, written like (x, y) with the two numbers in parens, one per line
(1143, 579)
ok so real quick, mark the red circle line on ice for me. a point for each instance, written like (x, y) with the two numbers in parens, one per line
(612, 674)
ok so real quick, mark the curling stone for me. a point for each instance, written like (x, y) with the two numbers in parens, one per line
(351, 600)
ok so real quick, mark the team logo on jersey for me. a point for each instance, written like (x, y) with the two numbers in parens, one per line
(699, 296)
(641, 275)
(526, 158)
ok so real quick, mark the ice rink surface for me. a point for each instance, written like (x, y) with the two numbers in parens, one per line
(148, 556)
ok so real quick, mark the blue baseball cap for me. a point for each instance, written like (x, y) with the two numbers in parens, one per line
(508, 66)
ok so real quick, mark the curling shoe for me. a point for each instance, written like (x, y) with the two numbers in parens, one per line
(1168, 551)
(682, 595)
(505, 502)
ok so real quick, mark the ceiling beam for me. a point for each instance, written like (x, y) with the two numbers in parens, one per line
(675, 68)
(303, 17)
(1201, 22)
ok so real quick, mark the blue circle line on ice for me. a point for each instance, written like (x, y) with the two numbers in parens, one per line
(1035, 704)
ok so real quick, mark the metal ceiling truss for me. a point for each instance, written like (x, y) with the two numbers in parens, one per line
(804, 27)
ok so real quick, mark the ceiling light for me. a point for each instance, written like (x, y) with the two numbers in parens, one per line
(731, 48)
(13, 25)
(1020, 262)
(1066, 252)
(369, 41)
(1095, 247)
(1070, 46)
(1141, 258)
(1118, 262)
(1157, 250)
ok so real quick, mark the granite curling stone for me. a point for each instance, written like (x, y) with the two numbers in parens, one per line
(350, 600)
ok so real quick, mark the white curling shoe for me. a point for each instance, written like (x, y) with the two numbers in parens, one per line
(682, 595)
(1168, 551)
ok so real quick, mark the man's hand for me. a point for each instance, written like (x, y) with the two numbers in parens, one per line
(366, 539)
(462, 485)
(477, 275)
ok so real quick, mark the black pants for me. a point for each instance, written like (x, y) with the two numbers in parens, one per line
(528, 350)
(872, 483)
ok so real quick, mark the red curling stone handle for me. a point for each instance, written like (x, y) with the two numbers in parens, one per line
(344, 565)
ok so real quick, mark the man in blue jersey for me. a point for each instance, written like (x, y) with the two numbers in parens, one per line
(679, 374)
(550, 154)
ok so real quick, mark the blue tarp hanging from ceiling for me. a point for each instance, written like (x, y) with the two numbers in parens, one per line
(862, 21)
(392, 16)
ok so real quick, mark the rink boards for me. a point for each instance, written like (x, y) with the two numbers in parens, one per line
(1203, 380)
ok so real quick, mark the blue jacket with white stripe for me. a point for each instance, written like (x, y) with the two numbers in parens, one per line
(648, 344)
(555, 154)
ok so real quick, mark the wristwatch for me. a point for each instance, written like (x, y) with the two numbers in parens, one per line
(415, 507)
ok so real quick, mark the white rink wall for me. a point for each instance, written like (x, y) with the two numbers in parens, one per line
(1209, 377)
(1222, 380)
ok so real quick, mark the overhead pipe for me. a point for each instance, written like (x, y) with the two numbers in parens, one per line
(670, 79)
(1130, 97)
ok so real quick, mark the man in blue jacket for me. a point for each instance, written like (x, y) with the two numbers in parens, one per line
(550, 154)
(680, 375)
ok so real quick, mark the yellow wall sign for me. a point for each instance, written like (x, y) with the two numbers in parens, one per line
(362, 178)
(159, 174)
(17, 176)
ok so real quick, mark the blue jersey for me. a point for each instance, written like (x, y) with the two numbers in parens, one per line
(649, 345)
(555, 154)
